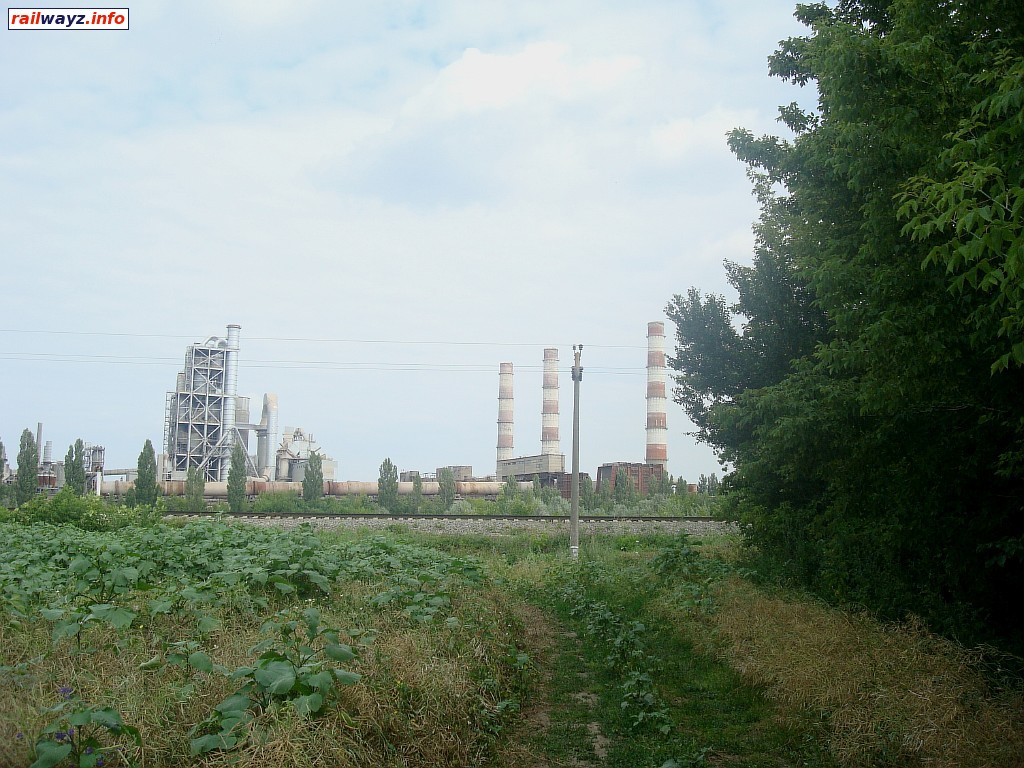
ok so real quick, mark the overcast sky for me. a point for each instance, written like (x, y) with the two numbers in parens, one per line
(390, 198)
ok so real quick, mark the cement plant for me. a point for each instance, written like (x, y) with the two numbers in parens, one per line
(205, 417)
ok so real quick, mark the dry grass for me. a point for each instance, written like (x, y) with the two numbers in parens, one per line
(428, 696)
(892, 695)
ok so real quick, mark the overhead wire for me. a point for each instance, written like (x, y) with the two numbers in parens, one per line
(315, 340)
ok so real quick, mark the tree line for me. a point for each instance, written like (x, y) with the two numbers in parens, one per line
(866, 384)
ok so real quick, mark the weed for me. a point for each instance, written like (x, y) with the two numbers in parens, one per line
(82, 734)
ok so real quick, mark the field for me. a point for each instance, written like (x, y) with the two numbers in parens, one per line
(216, 644)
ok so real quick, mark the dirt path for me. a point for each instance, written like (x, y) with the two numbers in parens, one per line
(556, 728)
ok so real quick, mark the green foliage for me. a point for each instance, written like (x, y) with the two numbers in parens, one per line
(146, 489)
(195, 491)
(624, 492)
(279, 502)
(313, 479)
(74, 468)
(588, 499)
(416, 499)
(708, 485)
(387, 486)
(446, 482)
(236, 479)
(82, 735)
(28, 469)
(298, 665)
(969, 204)
(869, 401)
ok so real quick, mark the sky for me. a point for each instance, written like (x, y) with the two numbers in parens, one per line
(390, 198)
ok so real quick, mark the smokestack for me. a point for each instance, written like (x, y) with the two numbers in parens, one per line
(39, 442)
(504, 411)
(549, 407)
(230, 390)
(657, 427)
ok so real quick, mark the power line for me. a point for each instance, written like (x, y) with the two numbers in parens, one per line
(312, 340)
(346, 365)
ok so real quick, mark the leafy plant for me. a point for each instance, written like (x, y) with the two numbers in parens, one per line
(82, 735)
(299, 665)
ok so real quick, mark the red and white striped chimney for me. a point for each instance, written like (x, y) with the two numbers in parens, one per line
(657, 374)
(549, 406)
(505, 404)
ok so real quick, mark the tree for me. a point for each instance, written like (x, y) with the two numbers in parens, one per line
(871, 354)
(708, 485)
(146, 490)
(416, 501)
(195, 491)
(236, 479)
(28, 469)
(387, 486)
(660, 485)
(587, 497)
(508, 495)
(446, 483)
(624, 492)
(74, 468)
(313, 479)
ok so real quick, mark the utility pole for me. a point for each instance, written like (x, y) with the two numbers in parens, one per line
(574, 517)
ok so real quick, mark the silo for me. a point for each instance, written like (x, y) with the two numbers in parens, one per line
(505, 408)
(549, 404)
(657, 374)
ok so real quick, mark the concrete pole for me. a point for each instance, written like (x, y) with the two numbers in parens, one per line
(574, 517)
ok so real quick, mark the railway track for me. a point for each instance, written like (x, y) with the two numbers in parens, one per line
(439, 517)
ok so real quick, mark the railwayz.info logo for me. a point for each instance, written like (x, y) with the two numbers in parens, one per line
(67, 18)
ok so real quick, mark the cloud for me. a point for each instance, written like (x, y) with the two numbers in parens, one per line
(479, 81)
(687, 138)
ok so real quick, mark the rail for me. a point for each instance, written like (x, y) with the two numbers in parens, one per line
(388, 516)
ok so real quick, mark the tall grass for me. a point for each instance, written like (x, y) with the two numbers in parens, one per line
(891, 695)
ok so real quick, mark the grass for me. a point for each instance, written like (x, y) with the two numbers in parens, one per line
(895, 694)
(648, 651)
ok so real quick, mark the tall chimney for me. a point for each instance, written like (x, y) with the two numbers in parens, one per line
(549, 407)
(657, 428)
(39, 442)
(504, 412)
(230, 390)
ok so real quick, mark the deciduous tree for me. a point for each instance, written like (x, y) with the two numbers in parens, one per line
(28, 469)
(387, 486)
(146, 489)
(236, 479)
(74, 468)
(195, 491)
(866, 382)
(446, 483)
(313, 479)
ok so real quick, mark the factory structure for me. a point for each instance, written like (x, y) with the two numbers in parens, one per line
(50, 473)
(549, 464)
(205, 418)
(643, 476)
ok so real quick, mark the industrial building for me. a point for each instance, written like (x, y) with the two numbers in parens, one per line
(50, 473)
(549, 464)
(293, 456)
(642, 476)
(205, 417)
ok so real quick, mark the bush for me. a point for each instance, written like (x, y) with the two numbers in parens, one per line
(90, 513)
(279, 503)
